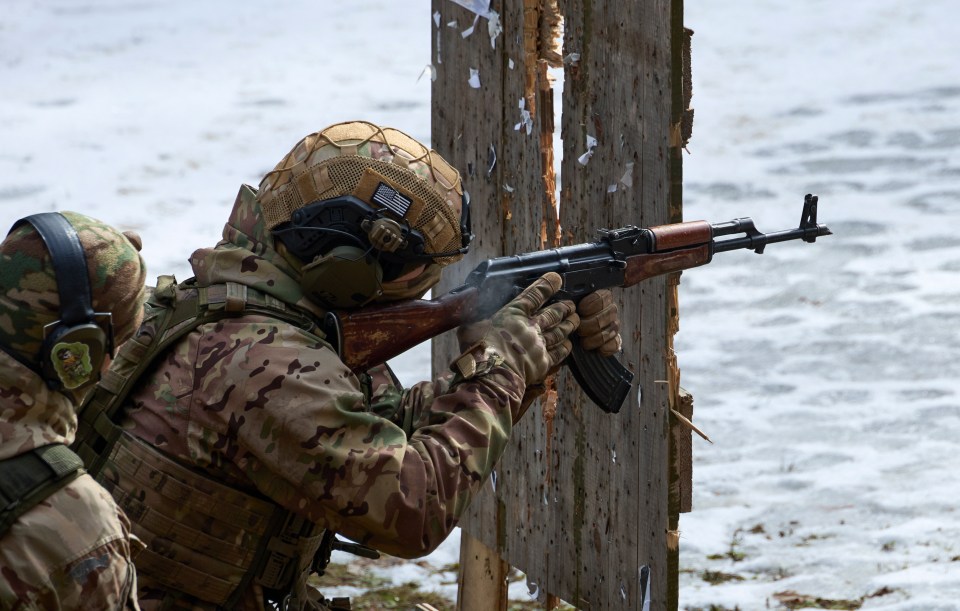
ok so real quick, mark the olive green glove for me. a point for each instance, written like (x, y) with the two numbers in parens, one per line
(527, 337)
(599, 323)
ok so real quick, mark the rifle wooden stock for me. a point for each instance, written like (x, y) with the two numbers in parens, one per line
(376, 334)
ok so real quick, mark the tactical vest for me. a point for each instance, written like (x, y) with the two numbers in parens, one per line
(244, 536)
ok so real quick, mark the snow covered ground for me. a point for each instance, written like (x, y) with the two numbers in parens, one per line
(827, 375)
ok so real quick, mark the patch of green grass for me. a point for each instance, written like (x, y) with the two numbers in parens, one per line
(453, 567)
(524, 605)
(715, 577)
(533, 605)
(808, 539)
(732, 554)
(404, 596)
(337, 575)
(793, 600)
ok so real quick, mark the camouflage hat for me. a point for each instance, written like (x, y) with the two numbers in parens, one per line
(354, 158)
(28, 289)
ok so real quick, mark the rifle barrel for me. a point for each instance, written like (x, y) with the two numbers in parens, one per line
(759, 240)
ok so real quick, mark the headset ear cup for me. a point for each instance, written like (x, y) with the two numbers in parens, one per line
(346, 277)
(72, 357)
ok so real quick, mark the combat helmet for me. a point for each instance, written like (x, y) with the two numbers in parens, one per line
(369, 213)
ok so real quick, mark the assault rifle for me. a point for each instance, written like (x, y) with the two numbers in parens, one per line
(619, 257)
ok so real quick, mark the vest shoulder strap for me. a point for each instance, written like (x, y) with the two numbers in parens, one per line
(171, 312)
(31, 477)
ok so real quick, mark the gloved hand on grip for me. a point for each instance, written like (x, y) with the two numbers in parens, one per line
(599, 323)
(531, 339)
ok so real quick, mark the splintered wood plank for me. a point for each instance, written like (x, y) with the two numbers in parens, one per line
(580, 499)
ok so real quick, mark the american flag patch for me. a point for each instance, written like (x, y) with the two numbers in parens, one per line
(390, 198)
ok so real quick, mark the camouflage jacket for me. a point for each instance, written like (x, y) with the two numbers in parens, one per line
(73, 550)
(263, 405)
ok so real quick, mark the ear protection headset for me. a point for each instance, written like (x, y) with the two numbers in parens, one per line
(352, 248)
(75, 346)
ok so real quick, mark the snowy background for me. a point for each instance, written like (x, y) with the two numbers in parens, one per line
(828, 375)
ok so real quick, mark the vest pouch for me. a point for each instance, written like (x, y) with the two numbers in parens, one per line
(202, 536)
(301, 596)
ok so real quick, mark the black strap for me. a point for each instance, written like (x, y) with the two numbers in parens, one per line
(69, 265)
(31, 477)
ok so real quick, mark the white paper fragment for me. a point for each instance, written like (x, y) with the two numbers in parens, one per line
(525, 119)
(493, 27)
(436, 18)
(507, 188)
(439, 61)
(492, 157)
(510, 64)
(474, 80)
(480, 7)
(469, 30)
(612, 188)
(452, 24)
(571, 59)
(591, 144)
(627, 179)
(431, 69)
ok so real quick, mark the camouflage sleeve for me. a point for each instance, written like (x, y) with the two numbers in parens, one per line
(72, 551)
(283, 408)
(404, 407)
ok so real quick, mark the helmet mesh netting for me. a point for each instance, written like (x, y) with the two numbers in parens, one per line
(345, 174)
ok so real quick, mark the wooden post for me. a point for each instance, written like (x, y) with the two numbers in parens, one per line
(580, 500)
(482, 583)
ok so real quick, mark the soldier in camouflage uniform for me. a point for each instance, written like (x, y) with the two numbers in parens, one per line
(249, 436)
(73, 549)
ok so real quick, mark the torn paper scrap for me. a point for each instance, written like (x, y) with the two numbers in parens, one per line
(591, 144)
(474, 80)
(525, 119)
(493, 28)
(436, 18)
(469, 30)
(431, 69)
(627, 179)
(480, 7)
